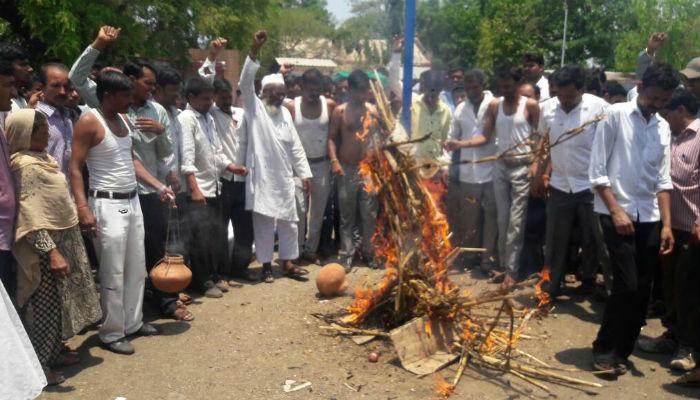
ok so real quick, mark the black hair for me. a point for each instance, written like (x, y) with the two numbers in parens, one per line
(571, 75)
(358, 80)
(614, 88)
(11, 52)
(327, 83)
(455, 68)
(168, 76)
(45, 68)
(112, 81)
(196, 86)
(533, 57)
(432, 80)
(312, 77)
(475, 75)
(135, 68)
(513, 73)
(222, 86)
(661, 75)
(683, 97)
(289, 81)
(6, 67)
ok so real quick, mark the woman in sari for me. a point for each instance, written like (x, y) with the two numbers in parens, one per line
(55, 290)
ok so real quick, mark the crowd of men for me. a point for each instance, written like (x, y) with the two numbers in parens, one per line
(145, 152)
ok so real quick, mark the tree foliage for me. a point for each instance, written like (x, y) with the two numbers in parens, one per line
(156, 29)
(611, 33)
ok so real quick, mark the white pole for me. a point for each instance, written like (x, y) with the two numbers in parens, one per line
(566, 23)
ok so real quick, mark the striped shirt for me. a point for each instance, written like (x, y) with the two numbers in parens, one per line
(685, 173)
(60, 134)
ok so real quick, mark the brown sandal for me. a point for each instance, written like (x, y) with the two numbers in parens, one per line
(296, 273)
(181, 312)
(184, 298)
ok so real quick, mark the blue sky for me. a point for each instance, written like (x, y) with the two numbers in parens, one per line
(340, 9)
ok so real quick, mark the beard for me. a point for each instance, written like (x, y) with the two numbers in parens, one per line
(272, 110)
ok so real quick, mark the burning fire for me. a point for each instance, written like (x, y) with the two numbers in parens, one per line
(541, 295)
(367, 122)
(443, 388)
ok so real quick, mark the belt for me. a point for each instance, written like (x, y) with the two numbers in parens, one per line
(317, 159)
(102, 194)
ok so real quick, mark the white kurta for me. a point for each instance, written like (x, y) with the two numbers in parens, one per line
(274, 154)
(21, 376)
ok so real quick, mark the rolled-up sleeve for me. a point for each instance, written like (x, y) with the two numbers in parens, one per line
(603, 143)
(663, 181)
(79, 75)
(188, 124)
(208, 70)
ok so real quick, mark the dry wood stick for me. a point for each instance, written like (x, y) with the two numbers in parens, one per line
(358, 331)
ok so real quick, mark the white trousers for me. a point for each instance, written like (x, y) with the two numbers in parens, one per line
(264, 232)
(120, 249)
(311, 208)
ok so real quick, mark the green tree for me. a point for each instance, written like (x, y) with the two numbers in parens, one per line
(156, 29)
(679, 18)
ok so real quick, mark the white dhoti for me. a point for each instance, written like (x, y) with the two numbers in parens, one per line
(264, 232)
(120, 249)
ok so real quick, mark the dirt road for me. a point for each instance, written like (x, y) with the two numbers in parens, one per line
(245, 345)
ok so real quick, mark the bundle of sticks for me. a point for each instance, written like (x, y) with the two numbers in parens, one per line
(412, 240)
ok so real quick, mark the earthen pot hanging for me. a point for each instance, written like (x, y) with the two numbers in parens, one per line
(171, 275)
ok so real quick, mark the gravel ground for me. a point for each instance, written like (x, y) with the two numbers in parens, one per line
(245, 345)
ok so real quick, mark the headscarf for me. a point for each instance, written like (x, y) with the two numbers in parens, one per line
(42, 197)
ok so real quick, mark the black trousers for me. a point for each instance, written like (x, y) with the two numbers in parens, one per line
(633, 260)
(155, 224)
(8, 275)
(532, 255)
(330, 229)
(681, 274)
(207, 241)
(563, 211)
(233, 210)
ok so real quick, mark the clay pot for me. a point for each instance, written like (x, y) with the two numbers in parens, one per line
(171, 275)
(330, 280)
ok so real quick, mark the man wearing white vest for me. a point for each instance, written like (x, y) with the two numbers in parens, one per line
(512, 118)
(112, 216)
(311, 112)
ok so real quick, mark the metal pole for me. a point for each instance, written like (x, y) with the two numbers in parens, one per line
(566, 23)
(409, 34)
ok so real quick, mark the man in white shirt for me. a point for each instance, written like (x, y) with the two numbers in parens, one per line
(570, 197)
(471, 201)
(533, 72)
(233, 132)
(275, 154)
(630, 172)
(203, 164)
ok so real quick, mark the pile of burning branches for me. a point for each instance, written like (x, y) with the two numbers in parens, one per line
(412, 240)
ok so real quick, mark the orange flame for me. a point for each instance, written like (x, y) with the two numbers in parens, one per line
(443, 388)
(428, 328)
(367, 122)
(541, 295)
